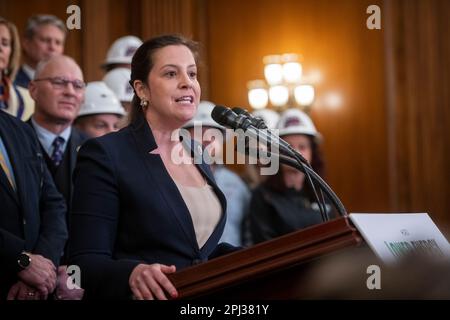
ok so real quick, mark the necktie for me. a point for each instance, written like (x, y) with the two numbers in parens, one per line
(57, 154)
(6, 169)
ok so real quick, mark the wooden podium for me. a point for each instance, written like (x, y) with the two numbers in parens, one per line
(269, 270)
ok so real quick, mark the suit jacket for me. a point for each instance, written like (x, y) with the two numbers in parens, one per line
(62, 175)
(127, 210)
(22, 79)
(33, 217)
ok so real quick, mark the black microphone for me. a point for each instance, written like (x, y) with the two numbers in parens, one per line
(257, 122)
(226, 117)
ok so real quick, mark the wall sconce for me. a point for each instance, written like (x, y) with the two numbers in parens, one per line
(283, 85)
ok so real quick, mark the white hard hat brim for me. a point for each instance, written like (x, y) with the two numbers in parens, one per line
(292, 131)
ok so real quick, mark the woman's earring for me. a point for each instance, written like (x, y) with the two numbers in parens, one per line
(144, 103)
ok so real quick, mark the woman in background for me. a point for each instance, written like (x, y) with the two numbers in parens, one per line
(13, 99)
(284, 202)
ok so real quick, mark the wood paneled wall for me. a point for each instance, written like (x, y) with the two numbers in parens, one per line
(334, 41)
(103, 21)
(418, 103)
(386, 145)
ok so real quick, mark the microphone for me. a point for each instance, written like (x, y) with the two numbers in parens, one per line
(260, 124)
(257, 122)
(228, 118)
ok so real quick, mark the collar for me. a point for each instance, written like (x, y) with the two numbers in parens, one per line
(46, 137)
(144, 133)
(29, 71)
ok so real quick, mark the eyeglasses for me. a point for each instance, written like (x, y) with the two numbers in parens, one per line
(61, 83)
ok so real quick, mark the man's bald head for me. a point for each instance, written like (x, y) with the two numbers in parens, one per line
(60, 60)
(58, 91)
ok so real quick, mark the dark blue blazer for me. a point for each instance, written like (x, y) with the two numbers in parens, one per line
(22, 79)
(127, 210)
(63, 175)
(33, 217)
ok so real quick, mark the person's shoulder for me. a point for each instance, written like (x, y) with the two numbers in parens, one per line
(14, 122)
(231, 176)
(22, 80)
(262, 191)
(116, 137)
(78, 136)
(27, 100)
(111, 141)
(22, 131)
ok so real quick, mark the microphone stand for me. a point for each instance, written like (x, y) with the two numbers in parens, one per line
(228, 118)
(322, 184)
(307, 170)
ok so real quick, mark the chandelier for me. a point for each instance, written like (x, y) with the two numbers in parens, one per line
(283, 86)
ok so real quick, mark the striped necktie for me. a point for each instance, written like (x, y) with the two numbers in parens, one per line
(6, 169)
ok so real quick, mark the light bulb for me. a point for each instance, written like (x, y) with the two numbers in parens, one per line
(304, 94)
(258, 98)
(292, 72)
(278, 95)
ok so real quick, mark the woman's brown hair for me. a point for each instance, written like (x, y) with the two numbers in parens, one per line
(14, 58)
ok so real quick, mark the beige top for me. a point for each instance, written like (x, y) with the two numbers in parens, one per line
(205, 209)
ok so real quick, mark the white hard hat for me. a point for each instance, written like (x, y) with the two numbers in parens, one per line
(122, 50)
(294, 121)
(203, 115)
(100, 99)
(118, 81)
(270, 117)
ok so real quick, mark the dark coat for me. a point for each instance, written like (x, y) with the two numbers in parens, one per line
(127, 210)
(33, 218)
(272, 213)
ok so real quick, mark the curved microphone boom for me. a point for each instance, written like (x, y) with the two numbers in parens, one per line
(288, 155)
(260, 124)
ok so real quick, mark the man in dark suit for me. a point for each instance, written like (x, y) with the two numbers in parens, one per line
(44, 37)
(58, 91)
(32, 221)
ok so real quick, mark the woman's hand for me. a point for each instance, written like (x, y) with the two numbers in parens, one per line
(149, 282)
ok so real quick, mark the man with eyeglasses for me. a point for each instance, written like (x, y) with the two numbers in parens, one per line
(58, 91)
(43, 38)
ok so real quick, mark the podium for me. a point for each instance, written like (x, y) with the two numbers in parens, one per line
(269, 270)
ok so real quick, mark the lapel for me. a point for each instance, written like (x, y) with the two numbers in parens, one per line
(213, 240)
(156, 169)
(168, 189)
(201, 159)
(12, 145)
(4, 182)
(75, 141)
